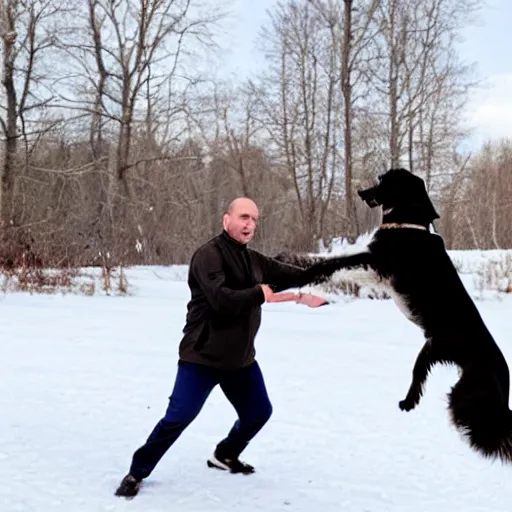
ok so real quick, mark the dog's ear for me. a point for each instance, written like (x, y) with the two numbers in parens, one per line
(409, 189)
(423, 201)
(428, 208)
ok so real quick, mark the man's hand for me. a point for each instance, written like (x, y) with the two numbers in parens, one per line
(307, 299)
(267, 291)
(311, 300)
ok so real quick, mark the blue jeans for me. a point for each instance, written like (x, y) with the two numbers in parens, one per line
(244, 388)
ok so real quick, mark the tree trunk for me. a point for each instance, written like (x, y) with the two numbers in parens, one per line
(350, 211)
(8, 167)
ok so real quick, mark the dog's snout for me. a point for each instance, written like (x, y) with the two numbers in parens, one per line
(370, 196)
(367, 192)
(363, 191)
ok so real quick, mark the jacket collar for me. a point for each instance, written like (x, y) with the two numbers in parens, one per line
(232, 242)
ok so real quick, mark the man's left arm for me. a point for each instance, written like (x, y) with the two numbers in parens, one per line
(281, 276)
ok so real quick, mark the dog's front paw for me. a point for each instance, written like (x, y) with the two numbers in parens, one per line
(407, 405)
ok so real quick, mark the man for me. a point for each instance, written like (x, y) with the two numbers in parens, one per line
(228, 284)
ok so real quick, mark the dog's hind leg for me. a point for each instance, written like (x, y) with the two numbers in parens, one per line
(424, 362)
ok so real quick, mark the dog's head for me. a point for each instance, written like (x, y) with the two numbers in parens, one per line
(400, 189)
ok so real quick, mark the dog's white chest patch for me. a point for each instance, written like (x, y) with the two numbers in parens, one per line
(401, 303)
(356, 276)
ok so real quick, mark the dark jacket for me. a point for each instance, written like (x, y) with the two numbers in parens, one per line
(224, 312)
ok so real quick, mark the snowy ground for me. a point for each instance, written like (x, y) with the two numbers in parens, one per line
(84, 380)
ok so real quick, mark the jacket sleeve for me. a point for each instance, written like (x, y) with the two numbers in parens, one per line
(281, 276)
(206, 268)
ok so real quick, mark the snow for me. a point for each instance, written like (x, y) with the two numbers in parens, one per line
(85, 378)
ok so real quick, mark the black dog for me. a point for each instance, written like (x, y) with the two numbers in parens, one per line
(412, 264)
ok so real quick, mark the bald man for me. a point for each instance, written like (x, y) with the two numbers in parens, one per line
(228, 283)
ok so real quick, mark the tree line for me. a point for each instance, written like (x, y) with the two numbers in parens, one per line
(119, 146)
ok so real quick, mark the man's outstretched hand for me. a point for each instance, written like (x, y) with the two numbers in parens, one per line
(307, 299)
(311, 300)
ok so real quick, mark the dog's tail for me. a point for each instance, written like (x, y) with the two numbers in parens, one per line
(479, 410)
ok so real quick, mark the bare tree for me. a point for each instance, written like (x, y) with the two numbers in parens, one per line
(300, 101)
(28, 30)
(351, 29)
(424, 83)
(133, 56)
(240, 163)
(8, 34)
(483, 201)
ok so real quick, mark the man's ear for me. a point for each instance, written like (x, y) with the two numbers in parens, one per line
(225, 221)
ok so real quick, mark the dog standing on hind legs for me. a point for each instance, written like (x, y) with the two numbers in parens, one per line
(411, 263)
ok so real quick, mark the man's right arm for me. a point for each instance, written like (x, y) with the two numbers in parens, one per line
(206, 268)
(281, 276)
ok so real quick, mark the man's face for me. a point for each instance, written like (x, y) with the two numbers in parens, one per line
(240, 222)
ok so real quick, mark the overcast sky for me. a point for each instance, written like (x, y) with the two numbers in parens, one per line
(488, 44)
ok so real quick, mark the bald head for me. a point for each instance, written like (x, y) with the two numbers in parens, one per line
(241, 203)
(240, 219)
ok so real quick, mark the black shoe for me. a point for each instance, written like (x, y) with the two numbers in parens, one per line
(129, 487)
(231, 465)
